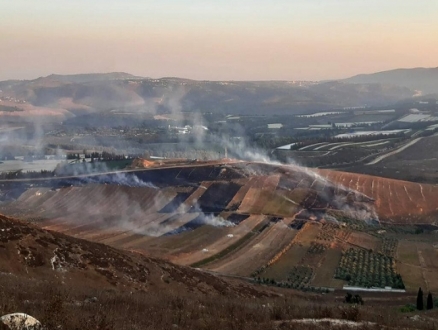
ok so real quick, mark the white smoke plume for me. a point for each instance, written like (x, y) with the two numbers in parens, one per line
(237, 148)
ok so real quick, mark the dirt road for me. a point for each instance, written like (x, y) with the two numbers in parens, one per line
(380, 158)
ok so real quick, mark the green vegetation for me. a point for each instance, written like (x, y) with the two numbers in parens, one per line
(389, 246)
(403, 229)
(420, 303)
(13, 175)
(408, 308)
(316, 248)
(356, 299)
(367, 269)
(6, 108)
(113, 165)
(354, 224)
(300, 276)
(290, 285)
(429, 303)
(328, 232)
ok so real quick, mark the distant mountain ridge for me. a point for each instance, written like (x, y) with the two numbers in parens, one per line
(90, 77)
(419, 79)
(90, 93)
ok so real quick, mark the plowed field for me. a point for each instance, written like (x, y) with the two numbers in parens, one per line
(396, 201)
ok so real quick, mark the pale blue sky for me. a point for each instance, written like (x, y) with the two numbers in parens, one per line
(223, 39)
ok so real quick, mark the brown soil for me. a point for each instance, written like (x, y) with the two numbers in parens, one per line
(396, 201)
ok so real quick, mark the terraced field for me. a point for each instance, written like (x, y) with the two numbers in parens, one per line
(170, 201)
(242, 219)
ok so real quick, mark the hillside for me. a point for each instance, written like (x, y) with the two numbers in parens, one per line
(416, 163)
(420, 79)
(239, 218)
(284, 228)
(70, 283)
(235, 197)
(90, 93)
(396, 201)
(31, 252)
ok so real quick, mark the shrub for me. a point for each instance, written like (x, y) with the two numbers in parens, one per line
(408, 308)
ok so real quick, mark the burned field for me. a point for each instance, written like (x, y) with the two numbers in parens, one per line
(282, 223)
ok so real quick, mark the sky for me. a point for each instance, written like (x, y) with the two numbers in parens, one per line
(216, 39)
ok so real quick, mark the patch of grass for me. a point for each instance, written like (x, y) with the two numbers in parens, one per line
(408, 308)
(117, 164)
(73, 306)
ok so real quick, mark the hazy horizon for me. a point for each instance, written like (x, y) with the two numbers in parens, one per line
(204, 40)
(179, 77)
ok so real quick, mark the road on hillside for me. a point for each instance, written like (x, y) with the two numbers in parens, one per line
(391, 153)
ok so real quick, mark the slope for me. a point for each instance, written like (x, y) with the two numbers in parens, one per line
(191, 213)
(396, 201)
(104, 92)
(421, 79)
(51, 256)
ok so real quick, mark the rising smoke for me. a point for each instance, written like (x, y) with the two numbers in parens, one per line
(238, 148)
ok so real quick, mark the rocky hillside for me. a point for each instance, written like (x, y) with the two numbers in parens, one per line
(31, 252)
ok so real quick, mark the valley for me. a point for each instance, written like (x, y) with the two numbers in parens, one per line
(253, 220)
(144, 188)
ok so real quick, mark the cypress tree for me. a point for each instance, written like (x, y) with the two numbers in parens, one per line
(420, 304)
(429, 304)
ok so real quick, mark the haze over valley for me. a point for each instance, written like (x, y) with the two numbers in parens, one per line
(242, 165)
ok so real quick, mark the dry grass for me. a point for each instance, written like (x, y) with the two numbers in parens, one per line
(324, 275)
(55, 304)
(365, 241)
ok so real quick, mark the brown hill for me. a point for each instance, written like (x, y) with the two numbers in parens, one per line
(189, 213)
(31, 252)
(234, 218)
(273, 223)
(396, 201)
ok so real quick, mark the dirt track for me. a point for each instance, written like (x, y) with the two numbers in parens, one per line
(380, 158)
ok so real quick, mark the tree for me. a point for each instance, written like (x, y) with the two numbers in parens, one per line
(429, 304)
(420, 304)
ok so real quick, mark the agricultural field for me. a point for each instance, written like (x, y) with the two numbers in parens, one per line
(410, 266)
(257, 252)
(335, 155)
(364, 241)
(325, 274)
(428, 257)
(364, 268)
(327, 233)
(389, 247)
(291, 255)
(396, 202)
(300, 276)
(284, 224)
(416, 163)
